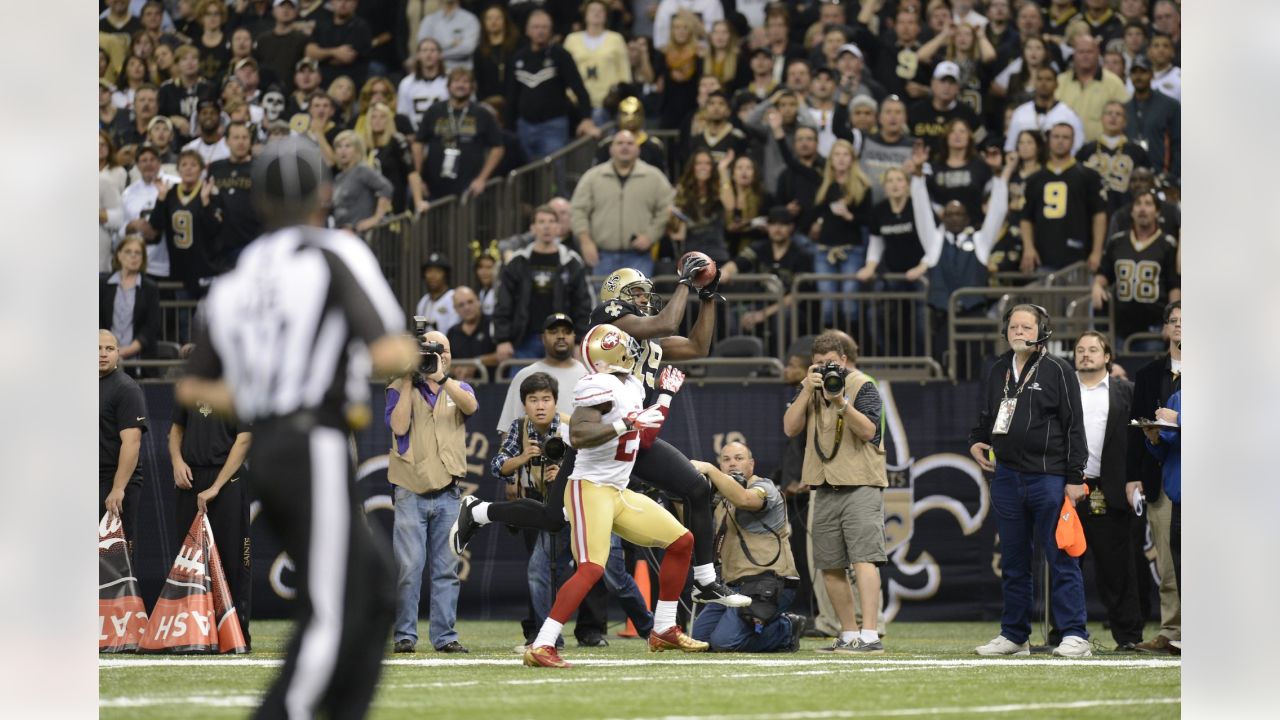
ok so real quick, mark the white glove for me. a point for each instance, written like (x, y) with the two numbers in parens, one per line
(671, 380)
(648, 419)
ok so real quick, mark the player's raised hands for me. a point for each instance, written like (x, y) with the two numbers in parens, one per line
(671, 380)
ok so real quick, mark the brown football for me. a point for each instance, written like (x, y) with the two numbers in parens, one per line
(706, 274)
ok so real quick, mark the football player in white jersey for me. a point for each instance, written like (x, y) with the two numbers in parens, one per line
(608, 427)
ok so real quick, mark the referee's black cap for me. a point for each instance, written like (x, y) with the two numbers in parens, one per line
(289, 170)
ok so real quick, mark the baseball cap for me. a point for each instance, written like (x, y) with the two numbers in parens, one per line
(243, 62)
(159, 120)
(436, 259)
(305, 62)
(760, 51)
(1140, 62)
(216, 103)
(779, 215)
(555, 319)
(274, 3)
(849, 48)
(947, 69)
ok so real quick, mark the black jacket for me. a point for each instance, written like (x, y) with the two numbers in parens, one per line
(1047, 432)
(570, 292)
(146, 311)
(1115, 446)
(1152, 386)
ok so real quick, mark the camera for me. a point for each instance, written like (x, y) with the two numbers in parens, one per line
(553, 451)
(833, 375)
(739, 478)
(430, 351)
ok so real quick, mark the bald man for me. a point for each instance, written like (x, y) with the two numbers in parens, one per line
(122, 418)
(472, 336)
(426, 411)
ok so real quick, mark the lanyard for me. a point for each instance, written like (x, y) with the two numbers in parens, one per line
(1025, 381)
(455, 124)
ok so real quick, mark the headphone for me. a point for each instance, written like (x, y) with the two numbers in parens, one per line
(1042, 322)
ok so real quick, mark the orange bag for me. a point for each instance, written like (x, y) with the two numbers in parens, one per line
(1070, 533)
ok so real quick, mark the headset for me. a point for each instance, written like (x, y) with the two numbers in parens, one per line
(1042, 322)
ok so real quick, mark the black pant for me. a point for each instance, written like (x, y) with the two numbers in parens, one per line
(1110, 540)
(128, 509)
(302, 474)
(229, 519)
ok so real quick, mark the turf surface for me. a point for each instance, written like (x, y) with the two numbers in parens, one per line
(928, 669)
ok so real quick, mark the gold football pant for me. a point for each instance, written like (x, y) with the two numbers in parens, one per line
(596, 511)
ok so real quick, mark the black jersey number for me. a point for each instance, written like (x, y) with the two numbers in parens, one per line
(183, 229)
(1137, 281)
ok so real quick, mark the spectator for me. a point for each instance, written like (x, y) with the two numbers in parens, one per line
(717, 135)
(967, 47)
(852, 78)
(122, 418)
(929, 117)
(319, 126)
(145, 107)
(1153, 385)
(494, 51)
(247, 72)
(631, 118)
(1105, 24)
(787, 105)
(778, 43)
(601, 56)
(708, 11)
(306, 82)
(1141, 266)
(280, 48)
(437, 304)
(1113, 60)
(778, 254)
(456, 30)
(472, 336)
(1113, 157)
(234, 182)
(1017, 82)
(761, 84)
(425, 86)
(180, 97)
(747, 205)
(620, 209)
(564, 215)
(210, 143)
(134, 76)
(129, 302)
(848, 519)
(1028, 159)
(558, 344)
(1143, 181)
(163, 65)
(1167, 19)
(137, 202)
(394, 156)
(1042, 112)
(1087, 87)
(843, 205)
(428, 461)
(1065, 216)
(213, 45)
(188, 218)
(537, 100)
(343, 92)
(161, 138)
(1154, 121)
(682, 70)
(753, 514)
(798, 187)
(342, 43)
(958, 173)
(312, 14)
(378, 89)
(1136, 36)
(1108, 520)
(252, 15)
(895, 245)
(723, 59)
(240, 49)
(829, 40)
(888, 148)
(1040, 450)
(798, 77)
(831, 119)
(110, 117)
(485, 271)
(361, 196)
(109, 169)
(698, 222)
(119, 19)
(461, 142)
(898, 67)
(539, 280)
(1000, 32)
(1166, 446)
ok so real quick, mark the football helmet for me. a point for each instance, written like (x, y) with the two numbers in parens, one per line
(631, 286)
(607, 349)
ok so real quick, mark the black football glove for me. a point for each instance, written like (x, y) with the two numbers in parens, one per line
(710, 293)
(693, 264)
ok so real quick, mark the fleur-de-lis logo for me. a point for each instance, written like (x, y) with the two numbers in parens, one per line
(614, 309)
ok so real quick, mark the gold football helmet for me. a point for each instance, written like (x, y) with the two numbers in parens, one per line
(633, 287)
(607, 349)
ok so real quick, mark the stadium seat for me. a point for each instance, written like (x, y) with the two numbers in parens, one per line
(736, 346)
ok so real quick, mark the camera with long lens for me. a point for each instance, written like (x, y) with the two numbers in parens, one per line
(429, 351)
(833, 375)
(739, 478)
(553, 451)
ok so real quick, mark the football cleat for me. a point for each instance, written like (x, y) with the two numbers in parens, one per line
(673, 638)
(716, 592)
(544, 656)
(464, 527)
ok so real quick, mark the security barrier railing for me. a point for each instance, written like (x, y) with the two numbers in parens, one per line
(891, 322)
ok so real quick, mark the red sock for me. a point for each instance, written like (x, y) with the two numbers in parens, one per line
(570, 595)
(675, 568)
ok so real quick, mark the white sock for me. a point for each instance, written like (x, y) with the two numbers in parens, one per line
(480, 513)
(704, 574)
(848, 636)
(664, 616)
(548, 634)
(868, 636)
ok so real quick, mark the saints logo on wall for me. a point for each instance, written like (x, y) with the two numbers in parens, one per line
(943, 483)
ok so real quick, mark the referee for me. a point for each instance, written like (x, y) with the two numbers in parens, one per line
(291, 338)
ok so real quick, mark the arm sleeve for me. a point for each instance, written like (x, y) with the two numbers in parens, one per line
(378, 184)
(869, 403)
(573, 79)
(393, 397)
(511, 447)
(595, 389)
(926, 229)
(132, 411)
(996, 211)
(875, 248)
(470, 27)
(1107, 268)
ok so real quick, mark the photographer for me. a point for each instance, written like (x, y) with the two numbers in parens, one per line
(755, 558)
(426, 411)
(840, 409)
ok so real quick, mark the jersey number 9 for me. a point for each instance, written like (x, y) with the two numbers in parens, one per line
(1055, 200)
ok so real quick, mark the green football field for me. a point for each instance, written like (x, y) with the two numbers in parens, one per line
(928, 669)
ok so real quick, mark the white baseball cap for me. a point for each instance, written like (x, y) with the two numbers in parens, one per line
(947, 69)
(850, 48)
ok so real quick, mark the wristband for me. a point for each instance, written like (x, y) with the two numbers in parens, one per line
(620, 427)
(664, 400)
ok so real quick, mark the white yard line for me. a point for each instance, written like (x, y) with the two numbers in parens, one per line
(228, 701)
(121, 662)
(913, 712)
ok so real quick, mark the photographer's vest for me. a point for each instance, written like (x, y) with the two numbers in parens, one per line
(437, 446)
(769, 551)
(855, 462)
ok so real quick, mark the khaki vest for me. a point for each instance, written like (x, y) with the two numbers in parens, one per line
(763, 546)
(437, 446)
(857, 462)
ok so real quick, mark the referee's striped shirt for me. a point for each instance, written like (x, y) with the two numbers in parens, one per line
(289, 328)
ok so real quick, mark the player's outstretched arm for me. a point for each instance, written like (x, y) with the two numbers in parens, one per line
(657, 326)
(587, 428)
(698, 344)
